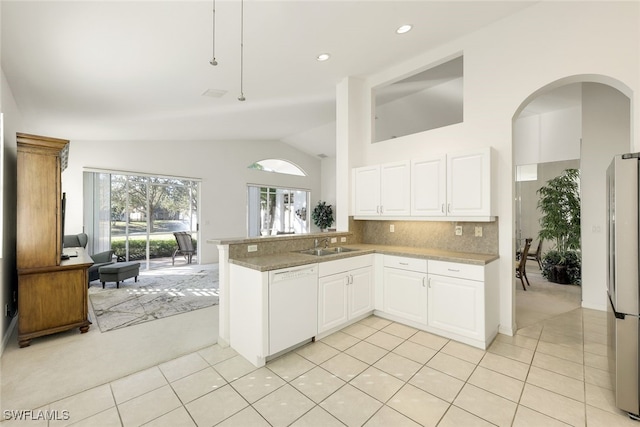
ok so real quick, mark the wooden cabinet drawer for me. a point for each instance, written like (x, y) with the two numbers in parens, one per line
(454, 269)
(405, 263)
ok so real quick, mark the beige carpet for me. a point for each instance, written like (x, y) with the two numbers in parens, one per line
(543, 299)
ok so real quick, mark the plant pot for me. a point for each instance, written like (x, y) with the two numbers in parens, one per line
(558, 274)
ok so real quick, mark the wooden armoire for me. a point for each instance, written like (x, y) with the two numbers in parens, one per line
(52, 293)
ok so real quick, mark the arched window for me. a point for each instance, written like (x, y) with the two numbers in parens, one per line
(278, 166)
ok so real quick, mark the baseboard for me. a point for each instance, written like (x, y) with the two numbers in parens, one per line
(8, 334)
(594, 306)
(507, 331)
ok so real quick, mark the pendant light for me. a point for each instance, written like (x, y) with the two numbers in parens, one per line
(241, 97)
(213, 38)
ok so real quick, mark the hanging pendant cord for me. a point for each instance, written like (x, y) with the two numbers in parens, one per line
(241, 97)
(213, 38)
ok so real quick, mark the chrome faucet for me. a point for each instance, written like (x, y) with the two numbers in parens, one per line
(316, 243)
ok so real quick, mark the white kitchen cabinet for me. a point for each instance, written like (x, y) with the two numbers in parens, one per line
(463, 301)
(367, 190)
(429, 187)
(383, 190)
(345, 291)
(456, 185)
(469, 183)
(405, 289)
(456, 305)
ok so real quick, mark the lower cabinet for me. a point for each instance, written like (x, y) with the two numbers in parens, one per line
(405, 290)
(53, 299)
(456, 305)
(455, 300)
(345, 291)
(463, 301)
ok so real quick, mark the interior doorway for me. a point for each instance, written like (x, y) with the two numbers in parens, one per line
(575, 121)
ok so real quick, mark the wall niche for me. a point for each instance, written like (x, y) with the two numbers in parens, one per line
(426, 100)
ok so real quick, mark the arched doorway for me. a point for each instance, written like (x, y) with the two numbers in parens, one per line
(603, 120)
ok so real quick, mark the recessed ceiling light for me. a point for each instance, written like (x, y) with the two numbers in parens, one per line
(404, 29)
(323, 57)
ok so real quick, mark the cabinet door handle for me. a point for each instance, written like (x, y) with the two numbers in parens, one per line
(351, 279)
(449, 207)
(381, 209)
(423, 285)
(429, 282)
(347, 278)
(404, 263)
(442, 208)
(453, 270)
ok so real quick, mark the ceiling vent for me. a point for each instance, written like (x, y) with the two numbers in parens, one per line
(214, 93)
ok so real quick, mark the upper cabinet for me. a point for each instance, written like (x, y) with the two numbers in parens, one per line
(383, 190)
(429, 187)
(453, 187)
(469, 183)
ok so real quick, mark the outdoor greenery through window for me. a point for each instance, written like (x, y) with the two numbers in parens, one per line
(136, 215)
(274, 210)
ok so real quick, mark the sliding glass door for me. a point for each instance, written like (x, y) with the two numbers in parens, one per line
(143, 213)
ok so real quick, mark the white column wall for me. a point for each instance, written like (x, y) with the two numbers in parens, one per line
(606, 132)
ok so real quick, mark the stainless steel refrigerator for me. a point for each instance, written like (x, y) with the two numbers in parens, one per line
(623, 280)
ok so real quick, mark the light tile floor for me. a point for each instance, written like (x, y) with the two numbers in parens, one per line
(374, 373)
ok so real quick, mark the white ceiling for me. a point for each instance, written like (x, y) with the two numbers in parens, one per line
(124, 70)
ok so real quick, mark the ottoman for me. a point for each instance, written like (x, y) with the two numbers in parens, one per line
(119, 272)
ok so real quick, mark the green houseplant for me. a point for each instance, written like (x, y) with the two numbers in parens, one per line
(322, 215)
(559, 204)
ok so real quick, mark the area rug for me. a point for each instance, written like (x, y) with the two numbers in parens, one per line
(157, 294)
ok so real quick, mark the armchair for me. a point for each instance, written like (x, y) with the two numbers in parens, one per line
(75, 240)
(100, 259)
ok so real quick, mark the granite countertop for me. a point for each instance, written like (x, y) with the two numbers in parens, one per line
(293, 259)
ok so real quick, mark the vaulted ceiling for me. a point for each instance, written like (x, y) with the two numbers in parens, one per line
(137, 70)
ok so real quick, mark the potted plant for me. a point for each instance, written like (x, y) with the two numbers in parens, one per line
(559, 203)
(322, 215)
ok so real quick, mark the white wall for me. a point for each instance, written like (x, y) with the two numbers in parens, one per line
(505, 64)
(8, 275)
(222, 166)
(606, 115)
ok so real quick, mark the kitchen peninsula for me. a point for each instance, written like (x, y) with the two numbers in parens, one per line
(279, 292)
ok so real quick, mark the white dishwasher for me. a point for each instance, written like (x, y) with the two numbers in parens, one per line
(293, 306)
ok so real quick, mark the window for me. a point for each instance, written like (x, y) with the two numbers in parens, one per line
(136, 215)
(274, 210)
(277, 166)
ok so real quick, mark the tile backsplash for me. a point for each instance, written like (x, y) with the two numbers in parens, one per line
(428, 234)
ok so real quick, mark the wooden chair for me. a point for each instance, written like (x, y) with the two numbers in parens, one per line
(521, 272)
(537, 255)
(185, 246)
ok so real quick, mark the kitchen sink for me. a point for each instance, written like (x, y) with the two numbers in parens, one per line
(340, 249)
(318, 252)
(326, 251)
